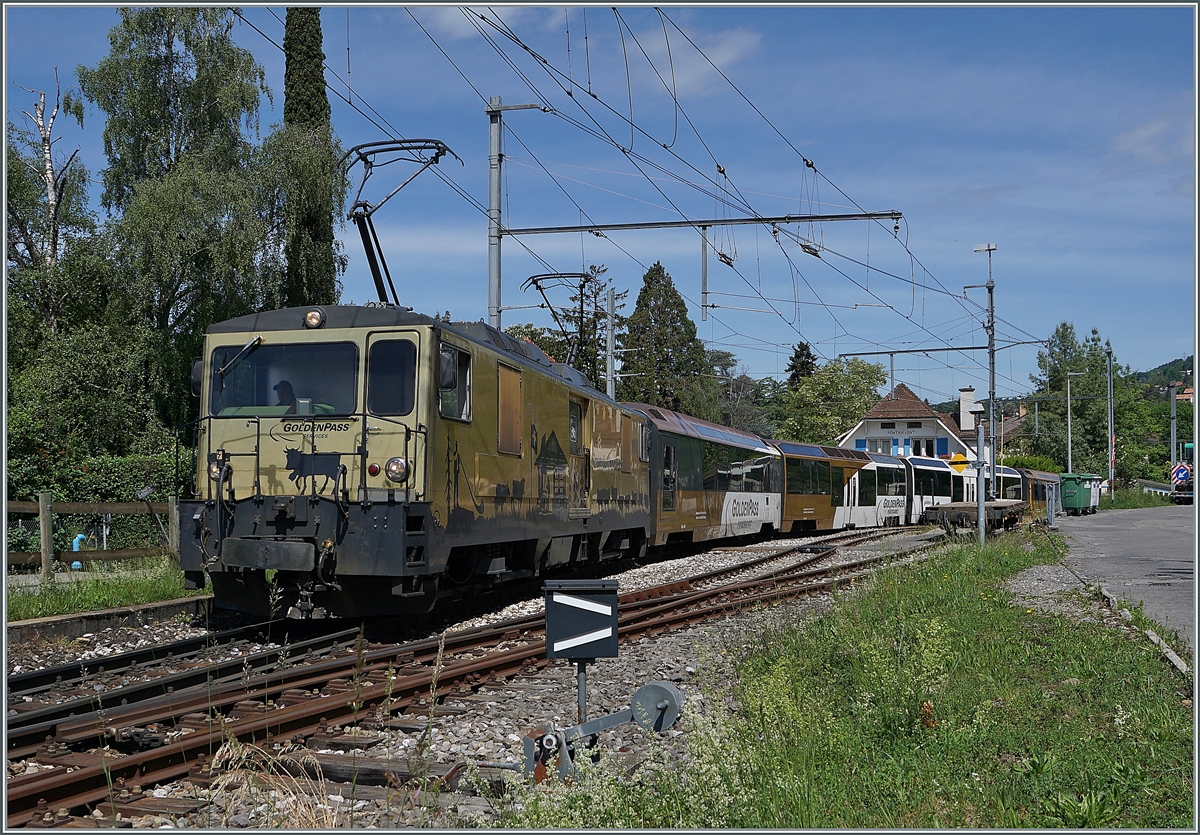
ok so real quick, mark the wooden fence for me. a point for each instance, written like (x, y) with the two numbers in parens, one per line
(45, 509)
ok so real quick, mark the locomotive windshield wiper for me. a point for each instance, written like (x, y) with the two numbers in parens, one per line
(253, 343)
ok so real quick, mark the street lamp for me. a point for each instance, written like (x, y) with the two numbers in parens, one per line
(1070, 460)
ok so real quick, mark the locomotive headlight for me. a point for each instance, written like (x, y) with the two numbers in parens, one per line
(396, 469)
(314, 318)
(214, 470)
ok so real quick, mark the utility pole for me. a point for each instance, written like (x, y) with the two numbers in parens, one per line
(1112, 439)
(610, 376)
(495, 159)
(703, 273)
(991, 332)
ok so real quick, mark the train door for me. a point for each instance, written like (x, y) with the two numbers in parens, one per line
(579, 459)
(670, 471)
(394, 411)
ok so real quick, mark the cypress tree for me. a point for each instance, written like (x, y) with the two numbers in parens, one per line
(311, 272)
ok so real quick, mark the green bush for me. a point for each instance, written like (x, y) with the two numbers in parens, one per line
(105, 478)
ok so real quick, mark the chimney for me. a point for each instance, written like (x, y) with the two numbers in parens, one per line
(966, 399)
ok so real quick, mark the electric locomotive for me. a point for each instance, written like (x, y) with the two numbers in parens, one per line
(356, 461)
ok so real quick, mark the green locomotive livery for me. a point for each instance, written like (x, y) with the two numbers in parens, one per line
(369, 460)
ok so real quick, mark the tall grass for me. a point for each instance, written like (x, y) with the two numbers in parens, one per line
(1130, 498)
(925, 699)
(127, 583)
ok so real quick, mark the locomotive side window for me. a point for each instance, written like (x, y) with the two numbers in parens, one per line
(511, 408)
(454, 382)
(628, 427)
(391, 377)
(575, 427)
(835, 486)
(276, 380)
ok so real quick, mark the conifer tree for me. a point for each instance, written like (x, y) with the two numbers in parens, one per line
(661, 349)
(802, 364)
(307, 146)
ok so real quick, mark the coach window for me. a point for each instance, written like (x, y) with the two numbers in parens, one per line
(866, 488)
(822, 485)
(941, 483)
(835, 488)
(391, 377)
(454, 382)
(957, 494)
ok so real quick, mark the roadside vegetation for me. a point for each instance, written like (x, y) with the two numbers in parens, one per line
(924, 699)
(1122, 499)
(128, 583)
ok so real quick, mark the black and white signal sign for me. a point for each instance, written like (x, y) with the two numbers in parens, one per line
(581, 618)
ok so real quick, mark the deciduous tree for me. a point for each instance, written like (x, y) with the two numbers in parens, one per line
(831, 400)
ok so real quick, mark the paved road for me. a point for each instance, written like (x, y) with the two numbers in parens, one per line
(1142, 554)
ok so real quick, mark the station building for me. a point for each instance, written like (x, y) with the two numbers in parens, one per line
(902, 424)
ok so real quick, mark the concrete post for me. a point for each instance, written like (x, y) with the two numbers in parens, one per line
(494, 125)
(610, 378)
(991, 287)
(46, 527)
(980, 489)
(1112, 439)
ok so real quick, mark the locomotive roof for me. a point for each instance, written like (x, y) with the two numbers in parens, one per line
(336, 316)
(682, 424)
(389, 316)
(880, 458)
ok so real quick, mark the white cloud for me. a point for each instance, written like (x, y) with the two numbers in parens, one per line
(1159, 142)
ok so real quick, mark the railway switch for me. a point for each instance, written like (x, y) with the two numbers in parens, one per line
(654, 707)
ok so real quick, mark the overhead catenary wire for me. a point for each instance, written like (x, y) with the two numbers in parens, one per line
(500, 26)
(730, 198)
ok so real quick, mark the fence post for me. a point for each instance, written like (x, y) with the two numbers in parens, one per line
(173, 519)
(47, 532)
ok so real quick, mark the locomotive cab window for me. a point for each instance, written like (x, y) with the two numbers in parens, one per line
(454, 382)
(391, 377)
(315, 378)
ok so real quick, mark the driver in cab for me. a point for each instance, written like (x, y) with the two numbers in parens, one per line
(287, 397)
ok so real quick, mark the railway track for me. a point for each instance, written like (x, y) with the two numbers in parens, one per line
(172, 733)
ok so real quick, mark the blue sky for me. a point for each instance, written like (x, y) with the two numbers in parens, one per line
(1064, 135)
